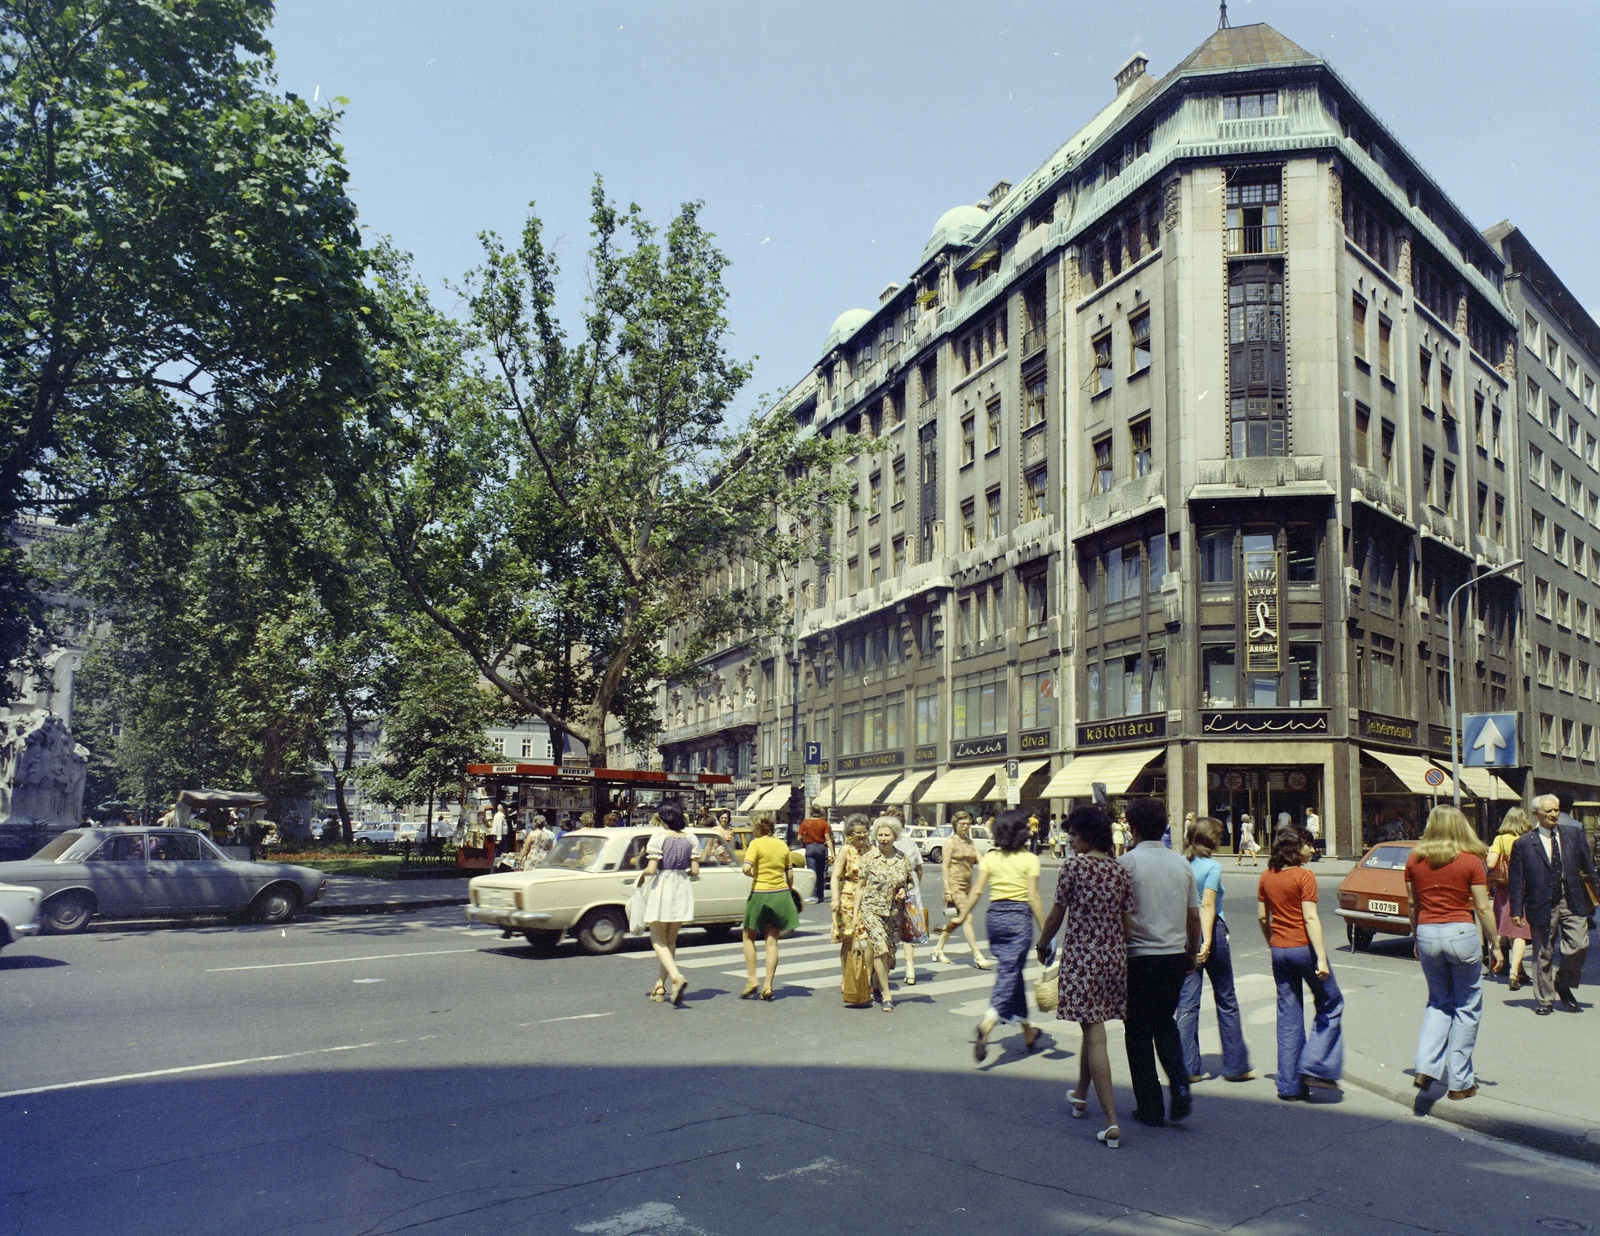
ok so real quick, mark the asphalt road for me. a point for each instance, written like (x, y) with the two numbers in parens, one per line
(409, 1073)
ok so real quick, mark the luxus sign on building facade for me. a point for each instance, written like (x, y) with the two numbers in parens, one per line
(1169, 457)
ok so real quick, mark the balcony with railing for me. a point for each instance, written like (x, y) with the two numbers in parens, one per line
(1266, 238)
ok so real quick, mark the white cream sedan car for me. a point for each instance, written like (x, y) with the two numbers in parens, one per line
(583, 888)
(19, 912)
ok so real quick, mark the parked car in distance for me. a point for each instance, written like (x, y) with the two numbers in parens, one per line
(583, 888)
(930, 840)
(19, 912)
(384, 834)
(1372, 898)
(156, 872)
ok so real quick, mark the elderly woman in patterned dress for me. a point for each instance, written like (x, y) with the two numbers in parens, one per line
(846, 877)
(885, 874)
(959, 857)
(1094, 894)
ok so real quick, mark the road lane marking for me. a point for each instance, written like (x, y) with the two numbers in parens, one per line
(574, 1017)
(339, 961)
(192, 1068)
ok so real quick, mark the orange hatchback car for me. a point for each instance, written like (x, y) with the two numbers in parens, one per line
(1373, 896)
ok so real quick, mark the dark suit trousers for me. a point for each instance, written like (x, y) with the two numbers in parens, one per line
(1151, 1029)
(1559, 948)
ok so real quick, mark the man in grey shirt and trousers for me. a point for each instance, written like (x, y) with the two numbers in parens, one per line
(1161, 950)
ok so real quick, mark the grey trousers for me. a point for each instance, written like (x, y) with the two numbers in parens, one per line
(1559, 948)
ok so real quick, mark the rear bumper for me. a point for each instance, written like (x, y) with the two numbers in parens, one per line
(1400, 923)
(514, 920)
(25, 929)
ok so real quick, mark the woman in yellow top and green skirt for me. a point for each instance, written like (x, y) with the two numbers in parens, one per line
(770, 909)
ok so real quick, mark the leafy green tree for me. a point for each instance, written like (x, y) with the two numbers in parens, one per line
(559, 509)
(181, 298)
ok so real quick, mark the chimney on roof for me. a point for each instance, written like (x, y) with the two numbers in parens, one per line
(1132, 71)
(885, 296)
(998, 193)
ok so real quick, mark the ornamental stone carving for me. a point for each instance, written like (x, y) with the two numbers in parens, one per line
(42, 771)
(1173, 209)
(1405, 261)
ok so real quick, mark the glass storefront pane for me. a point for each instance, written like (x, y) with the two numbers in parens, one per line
(1133, 678)
(1220, 677)
(1263, 690)
(1158, 680)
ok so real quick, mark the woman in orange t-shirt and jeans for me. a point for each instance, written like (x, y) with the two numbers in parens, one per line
(1448, 888)
(1288, 915)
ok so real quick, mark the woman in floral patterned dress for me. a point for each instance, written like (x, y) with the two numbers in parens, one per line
(1095, 897)
(846, 878)
(879, 896)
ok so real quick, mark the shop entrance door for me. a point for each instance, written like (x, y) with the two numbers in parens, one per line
(1264, 792)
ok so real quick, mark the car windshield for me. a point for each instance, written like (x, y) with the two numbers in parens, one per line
(575, 853)
(59, 846)
(944, 830)
(1388, 858)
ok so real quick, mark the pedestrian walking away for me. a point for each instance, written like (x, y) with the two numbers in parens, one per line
(1094, 898)
(957, 859)
(672, 861)
(1514, 938)
(770, 909)
(1552, 873)
(817, 839)
(1010, 873)
(535, 845)
(1247, 841)
(1447, 887)
(1287, 913)
(880, 896)
(1215, 960)
(913, 918)
(1163, 942)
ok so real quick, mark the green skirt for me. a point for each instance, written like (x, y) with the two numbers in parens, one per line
(775, 909)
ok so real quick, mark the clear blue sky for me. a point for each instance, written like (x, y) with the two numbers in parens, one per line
(825, 138)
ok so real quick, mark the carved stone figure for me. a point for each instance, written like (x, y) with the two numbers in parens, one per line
(42, 773)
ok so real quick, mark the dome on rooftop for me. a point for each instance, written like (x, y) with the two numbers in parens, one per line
(956, 225)
(845, 325)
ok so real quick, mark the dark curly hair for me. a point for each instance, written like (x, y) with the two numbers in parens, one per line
(672, 816)
(1147, 818)
(1286, 847)
(1011, 830)
(1091, 822)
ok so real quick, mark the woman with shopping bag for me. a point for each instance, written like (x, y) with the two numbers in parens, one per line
(855, 970)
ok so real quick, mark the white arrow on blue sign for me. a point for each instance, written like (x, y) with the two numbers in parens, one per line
(1489, 740)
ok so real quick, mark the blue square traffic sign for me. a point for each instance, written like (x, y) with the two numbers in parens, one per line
(813, 753)
(1489, 740)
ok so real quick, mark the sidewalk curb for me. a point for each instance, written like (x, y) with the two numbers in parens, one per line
(1555, 1135)
(385, 907)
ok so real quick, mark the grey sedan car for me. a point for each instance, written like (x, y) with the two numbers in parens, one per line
(139, 872)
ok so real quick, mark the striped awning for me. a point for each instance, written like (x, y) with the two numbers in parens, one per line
(751, 799)
(1485, 784)
(1115, 769)
(865, 791)
(961, 785)
(833, 795)
(907, 789)
(773, 797)
(1413, 770)
(1025, 770)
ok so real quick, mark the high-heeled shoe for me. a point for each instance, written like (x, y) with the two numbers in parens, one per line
(984, 963)
(980, 1045)
(750, 989)
(1110, 1137)
(658, 993)
(678, 988)
(1080, 1107)
(940, 957)
(1030, 1036)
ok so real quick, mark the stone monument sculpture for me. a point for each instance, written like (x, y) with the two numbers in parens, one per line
(42, 773)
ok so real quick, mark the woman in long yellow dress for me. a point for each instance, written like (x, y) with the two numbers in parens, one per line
(846, 877)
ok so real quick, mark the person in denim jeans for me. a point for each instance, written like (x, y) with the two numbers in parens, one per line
(1447, 887)
(1205, 836)
(1287, 912)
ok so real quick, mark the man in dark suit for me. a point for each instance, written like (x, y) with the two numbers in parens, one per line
(1548, 896)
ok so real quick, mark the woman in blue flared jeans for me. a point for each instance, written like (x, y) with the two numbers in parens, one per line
(1288, 916)
(1205, 836)
(1447, 886)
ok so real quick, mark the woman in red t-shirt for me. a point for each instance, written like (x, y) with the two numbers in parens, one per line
(1288, 915)
(1448, 888)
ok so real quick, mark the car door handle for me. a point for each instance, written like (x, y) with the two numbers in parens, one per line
(630, 881)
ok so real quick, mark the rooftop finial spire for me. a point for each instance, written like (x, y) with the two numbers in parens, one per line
(1223, 24)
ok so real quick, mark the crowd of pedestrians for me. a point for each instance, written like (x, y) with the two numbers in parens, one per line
(1136, 927)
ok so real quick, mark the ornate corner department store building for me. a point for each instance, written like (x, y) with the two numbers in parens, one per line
(1170, 456)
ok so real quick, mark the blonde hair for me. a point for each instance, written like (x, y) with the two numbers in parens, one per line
(1515, 823)
(763, 825)
(1206, 836)
(1448, 834)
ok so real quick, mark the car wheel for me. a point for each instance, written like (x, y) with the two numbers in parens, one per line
(1361, 938)
(719, 931)
(936, 855)
(67, 913)
(603, 931)
(366, 841)
(544, 942)
(277, 904)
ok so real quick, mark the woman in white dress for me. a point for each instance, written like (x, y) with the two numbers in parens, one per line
(1247, 841)
(673, 860)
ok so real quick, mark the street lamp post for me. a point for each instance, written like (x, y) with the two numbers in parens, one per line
(1450, 626)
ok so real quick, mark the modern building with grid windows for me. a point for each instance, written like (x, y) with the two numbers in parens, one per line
(1170, 457)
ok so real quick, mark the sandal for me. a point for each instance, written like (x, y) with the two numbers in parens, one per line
(1110, 1137)
(984, 963)
(940, 957)
(887, 1006)
(1080, 1107)
(980, 1045)
(678, 988)
(658, 993)
(749, 990)
(1030, 1036)
(911, 978)
(766, 993)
